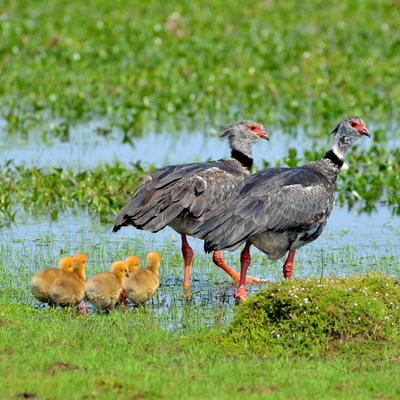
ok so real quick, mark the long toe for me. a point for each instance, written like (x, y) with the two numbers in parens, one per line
(250, 279)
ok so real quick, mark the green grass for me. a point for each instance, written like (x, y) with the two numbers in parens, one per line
(167, 65)
(191, 62)
(62, 355)
(174, 349)
(311, 315)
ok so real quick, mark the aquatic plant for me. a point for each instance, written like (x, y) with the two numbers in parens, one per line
(102, 190)
(281, 62)
(372, 179)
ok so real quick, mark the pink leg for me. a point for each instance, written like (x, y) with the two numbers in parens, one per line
(188, 254)
(219, 262)
(122, 296)
(245, 260)
(288, 265)
(80, 308)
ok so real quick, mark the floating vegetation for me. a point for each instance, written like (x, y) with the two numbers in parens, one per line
(103, 190)
(372, 179)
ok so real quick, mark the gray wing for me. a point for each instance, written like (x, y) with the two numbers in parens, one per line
(276, 199)
(184, 191)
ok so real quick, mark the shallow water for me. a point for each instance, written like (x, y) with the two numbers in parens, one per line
(352, 243)
(86, 149)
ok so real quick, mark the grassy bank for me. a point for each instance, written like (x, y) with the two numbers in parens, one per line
(62, 355)
(191, 62)
(176, 349)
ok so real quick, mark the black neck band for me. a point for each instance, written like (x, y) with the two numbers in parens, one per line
(330, 155)
(243, 159)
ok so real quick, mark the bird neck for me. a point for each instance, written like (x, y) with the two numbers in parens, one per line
(342, 142)
(81, 273)
(245, 160)
(334, 158)
(153, 269)
(120, 277)
(327, 166)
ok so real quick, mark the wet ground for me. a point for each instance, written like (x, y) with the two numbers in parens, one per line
(351, 243)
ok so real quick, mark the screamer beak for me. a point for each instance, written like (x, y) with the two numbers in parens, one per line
(263, 135)
(365, 132)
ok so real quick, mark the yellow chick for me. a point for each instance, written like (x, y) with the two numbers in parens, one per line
(103, 290)
(133, 263)
(142, 283)
(68, 289)
(41, 282)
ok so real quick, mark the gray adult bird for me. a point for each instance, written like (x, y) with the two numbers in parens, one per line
(179, 195)
(279, 209)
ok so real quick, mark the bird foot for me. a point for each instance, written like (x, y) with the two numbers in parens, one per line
(240, 295)
(239, 300)
(186, 292)
(219, 262)
(249, 279)
(81, 309)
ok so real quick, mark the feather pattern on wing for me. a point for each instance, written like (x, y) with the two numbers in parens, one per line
(276, 200)
(180, 191)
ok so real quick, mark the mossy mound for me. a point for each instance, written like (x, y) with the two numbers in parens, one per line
(307, 313)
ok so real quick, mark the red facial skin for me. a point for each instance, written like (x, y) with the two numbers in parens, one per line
(259, 132)
(362, 130)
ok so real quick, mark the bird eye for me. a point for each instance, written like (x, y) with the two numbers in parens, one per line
(253, 128)
(353, 124)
